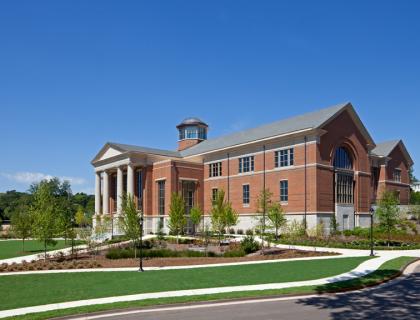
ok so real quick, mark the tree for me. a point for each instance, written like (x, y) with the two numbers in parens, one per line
(388, 212)
(196, 214)
(333, 225)
(276, 217)
(231, 216)
(415, 212)
(129, 220)
(80, 218)
(217, 213)
(222, 214)
(411, 175)
(22, 224)
(177, 219)
(45, 215)
(263, 202)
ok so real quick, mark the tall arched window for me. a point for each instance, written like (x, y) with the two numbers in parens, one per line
(342, 159)
(344, 186)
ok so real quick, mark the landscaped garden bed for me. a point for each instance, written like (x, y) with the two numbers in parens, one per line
(162, 253)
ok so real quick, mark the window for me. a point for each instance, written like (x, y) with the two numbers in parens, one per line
(284, 158)
(397, 175)
(188, 192)
(344, 188)
(213, 194)
(215, 169)
(342, 159)
(246, 164)
(161, 197)
(245, 194)
(193, 132)
(284, 191)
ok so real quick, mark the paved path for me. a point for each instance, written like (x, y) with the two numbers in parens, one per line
(380, 302)
(363, 269)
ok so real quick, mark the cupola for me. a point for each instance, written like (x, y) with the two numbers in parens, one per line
(191, 132)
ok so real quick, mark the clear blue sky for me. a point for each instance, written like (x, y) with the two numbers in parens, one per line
(75, 74)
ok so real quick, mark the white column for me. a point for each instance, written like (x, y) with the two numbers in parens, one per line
(105, 200)
(130, 180)
(119, 189)
(97, 192)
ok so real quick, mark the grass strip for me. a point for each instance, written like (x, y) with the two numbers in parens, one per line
(13, 248)
(386, 271)
(40, 289)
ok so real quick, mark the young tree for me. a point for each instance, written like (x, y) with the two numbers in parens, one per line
(129, 221)
(333, 225)
(45, 214)
(231, 216)
(276, 217)
(388, 212)
(177, 219)
(22, 224)
(415, 212)
(263, 202)
(196, 214)
(80, 218)
(222, 214)
(217, 213)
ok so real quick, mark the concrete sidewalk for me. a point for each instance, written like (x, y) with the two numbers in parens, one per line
(363, 269)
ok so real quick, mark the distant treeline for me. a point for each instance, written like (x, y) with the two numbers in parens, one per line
(13, 201)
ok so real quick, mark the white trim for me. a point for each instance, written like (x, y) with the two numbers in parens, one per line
(187, 179)
(395, 182)
(160, 179)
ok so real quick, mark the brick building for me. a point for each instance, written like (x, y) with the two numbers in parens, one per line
(316, 165)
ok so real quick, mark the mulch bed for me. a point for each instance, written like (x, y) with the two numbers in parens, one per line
(164, 262)
(85, 261)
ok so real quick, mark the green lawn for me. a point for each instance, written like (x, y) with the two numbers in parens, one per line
(30, 290)
(388, 269)
(13, 248)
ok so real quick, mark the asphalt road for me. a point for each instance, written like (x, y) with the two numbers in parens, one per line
(399, 299)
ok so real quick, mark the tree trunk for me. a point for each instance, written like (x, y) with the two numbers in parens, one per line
(23, 244)
(45, 249)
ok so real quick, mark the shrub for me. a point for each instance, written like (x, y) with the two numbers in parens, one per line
(234, 253)
(231, 231)
(249, 232)
(249, 245)
(240, 231)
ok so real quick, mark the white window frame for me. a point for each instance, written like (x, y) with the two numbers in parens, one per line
(251, 164)
(396, 177)
(246, 204)
(289, 155)
(287, 191)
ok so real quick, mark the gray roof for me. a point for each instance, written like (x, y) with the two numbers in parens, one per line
(191, 121)
(383, 149)
(310, 120)
(130, 148)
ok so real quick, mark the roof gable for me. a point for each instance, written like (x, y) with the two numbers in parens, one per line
(384, 149)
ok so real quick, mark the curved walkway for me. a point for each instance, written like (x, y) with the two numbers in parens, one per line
(363, 269)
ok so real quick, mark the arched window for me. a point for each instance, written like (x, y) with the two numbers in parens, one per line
(342, 159)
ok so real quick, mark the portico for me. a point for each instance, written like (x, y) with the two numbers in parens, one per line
(113, 183)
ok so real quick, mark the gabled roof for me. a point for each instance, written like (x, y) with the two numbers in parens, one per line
(127, 148)
(384, 149)
(312, 120)
(132, 148)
